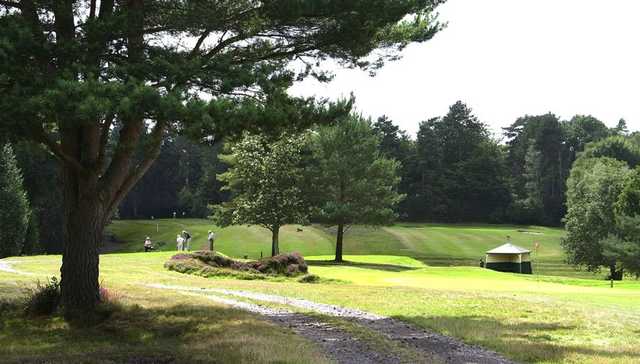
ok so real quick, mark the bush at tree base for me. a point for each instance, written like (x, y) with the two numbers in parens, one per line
(44, 299)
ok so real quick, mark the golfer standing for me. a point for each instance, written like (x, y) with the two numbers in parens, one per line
(187, 240)
(211, 237)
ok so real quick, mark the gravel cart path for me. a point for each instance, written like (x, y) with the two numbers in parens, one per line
(428, 344)
(338, 345)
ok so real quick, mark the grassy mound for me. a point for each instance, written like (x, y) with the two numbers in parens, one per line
(208, 264)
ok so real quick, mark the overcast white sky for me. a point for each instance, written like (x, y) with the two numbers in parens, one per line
(508, 58)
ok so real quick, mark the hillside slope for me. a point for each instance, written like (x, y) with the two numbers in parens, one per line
(433, 244)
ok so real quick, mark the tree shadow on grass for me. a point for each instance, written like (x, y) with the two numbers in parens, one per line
(529, 342)
(376, 266)
(176, 334)
(449, 261)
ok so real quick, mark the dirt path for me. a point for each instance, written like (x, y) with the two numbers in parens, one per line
(432, 346)
(337, 344)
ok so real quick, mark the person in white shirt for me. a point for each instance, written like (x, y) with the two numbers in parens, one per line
(180, 241)
(211, 237)
(148, 245)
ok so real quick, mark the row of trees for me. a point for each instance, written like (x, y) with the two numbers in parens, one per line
(320, 175)
(455, 171)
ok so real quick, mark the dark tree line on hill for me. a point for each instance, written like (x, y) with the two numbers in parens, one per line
(182, 180)
(453, 171)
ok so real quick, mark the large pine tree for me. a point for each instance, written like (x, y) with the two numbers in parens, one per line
(350, 180)
(460, 170)
(96, 82)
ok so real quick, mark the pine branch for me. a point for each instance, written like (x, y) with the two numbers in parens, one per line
(57, 151)
(153, 151)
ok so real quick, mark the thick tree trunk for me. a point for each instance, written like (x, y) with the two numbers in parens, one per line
(275, 248)
(83, 228)
(339, 238)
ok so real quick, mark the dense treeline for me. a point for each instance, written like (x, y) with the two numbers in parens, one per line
(182, 180)
(458, 174)
(454, 170)
(40, 181)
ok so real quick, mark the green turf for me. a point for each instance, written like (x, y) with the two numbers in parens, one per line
(433, 244)
(536, 319)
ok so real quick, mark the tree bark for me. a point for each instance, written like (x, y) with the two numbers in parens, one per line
(83, 228)
(339, 242)
(275, 248)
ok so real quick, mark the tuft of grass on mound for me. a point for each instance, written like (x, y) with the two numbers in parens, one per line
(197, 267)
(208, 264)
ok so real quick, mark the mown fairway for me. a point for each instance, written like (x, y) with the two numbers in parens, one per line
(534, 319)
(433, 244)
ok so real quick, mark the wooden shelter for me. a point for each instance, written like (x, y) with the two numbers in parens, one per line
(509, 258)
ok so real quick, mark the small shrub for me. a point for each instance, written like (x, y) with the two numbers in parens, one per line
(44, 299)
(309, 278)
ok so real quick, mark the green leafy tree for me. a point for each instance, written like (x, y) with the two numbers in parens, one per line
(621, 128)
(581, 130)
(98, 82)
(594, 188)
(14, 206)
(623, 247)
(32, 245)
(396, 144)
(547, 135)
(460, 171)
(265, 178)
(351, 182)
(530, 205)
(425, 198)
(617, 147)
